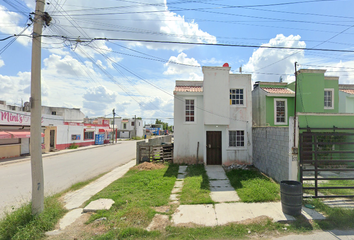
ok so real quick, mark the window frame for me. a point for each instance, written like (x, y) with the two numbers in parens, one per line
(286, 111)
(93, 135)
(184, 110)
(243, 95)
(332, 100)
(244, 138)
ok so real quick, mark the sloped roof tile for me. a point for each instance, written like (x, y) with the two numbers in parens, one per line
(278, 90)
(350, 91)
(188, 89)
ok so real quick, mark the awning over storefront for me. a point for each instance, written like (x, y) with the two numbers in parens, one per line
(105, 130)
(4, 135)
(22, 134)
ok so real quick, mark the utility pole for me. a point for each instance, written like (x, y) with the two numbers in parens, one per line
(36, 116)
(114, 114)
(295, 106)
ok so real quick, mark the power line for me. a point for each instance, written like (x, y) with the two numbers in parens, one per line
(209, 44)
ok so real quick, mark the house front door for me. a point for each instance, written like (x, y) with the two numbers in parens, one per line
(52, 138)
(213, 147)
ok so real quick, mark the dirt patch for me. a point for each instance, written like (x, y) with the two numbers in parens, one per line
(256, 220)
(148, 166)
(162, 209)
(159, 222)
(80, 230)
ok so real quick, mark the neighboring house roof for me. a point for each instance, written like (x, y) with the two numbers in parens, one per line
(278, 91)
(350, 91)
(189, 89)
(125, 120)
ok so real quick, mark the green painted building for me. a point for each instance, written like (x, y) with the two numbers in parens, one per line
(322, 105)
(272, 104)
(317, 97)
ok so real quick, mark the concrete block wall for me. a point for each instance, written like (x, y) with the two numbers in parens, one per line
(271, 151)
(151, 142)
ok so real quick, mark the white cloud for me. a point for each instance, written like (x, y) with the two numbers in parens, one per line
(9, 24)
(97, 99)
(112, 60)
(126, 20)
(213, 62)
(2, 63)
(67, 66)
(274, 61)
(99, 63)
(175, 67)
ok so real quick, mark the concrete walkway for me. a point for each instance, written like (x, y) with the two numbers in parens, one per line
(74, 200)
(220, 187)
(227, 208)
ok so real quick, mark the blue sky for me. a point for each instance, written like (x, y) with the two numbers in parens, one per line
(138, 78)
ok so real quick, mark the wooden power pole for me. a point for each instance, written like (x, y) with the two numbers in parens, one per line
(36, 116)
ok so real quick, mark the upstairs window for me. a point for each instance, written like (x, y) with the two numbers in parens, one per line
(280, 112)
(124, 126)
(236, 97)
(133, 124)
(328, 98)
(237, 138)
(189, 111)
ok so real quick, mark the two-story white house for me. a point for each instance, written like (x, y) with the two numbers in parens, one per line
(213, 118)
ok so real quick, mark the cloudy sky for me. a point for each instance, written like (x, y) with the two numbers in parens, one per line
(88, 63)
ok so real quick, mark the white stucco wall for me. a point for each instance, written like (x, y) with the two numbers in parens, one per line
(187, 135)
(69, 114)
(216, 95)
(346, 102)
(139, 128)
(241, 119)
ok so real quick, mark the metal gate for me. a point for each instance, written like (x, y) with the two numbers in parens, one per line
(327, 162)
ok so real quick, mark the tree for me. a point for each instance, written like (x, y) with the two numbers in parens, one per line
(164, 125)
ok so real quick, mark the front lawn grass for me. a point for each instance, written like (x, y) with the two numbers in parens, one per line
(196, 186)
(333, 183)
(134, 195)
(252, 186)
(21, 224)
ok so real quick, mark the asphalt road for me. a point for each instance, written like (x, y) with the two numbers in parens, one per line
(60, 171)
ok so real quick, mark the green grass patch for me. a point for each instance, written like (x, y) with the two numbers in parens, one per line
(135, 194)
(333, 183)
(252, 186)
(257, 230)
(336, 218)
(196, 186)
(21, 224)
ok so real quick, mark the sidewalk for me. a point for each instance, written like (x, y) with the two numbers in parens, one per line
(44, 155)
(228, 209)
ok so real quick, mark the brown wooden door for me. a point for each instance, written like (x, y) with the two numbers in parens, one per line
(213, 147)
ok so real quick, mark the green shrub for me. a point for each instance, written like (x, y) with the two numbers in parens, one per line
(73, 146)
